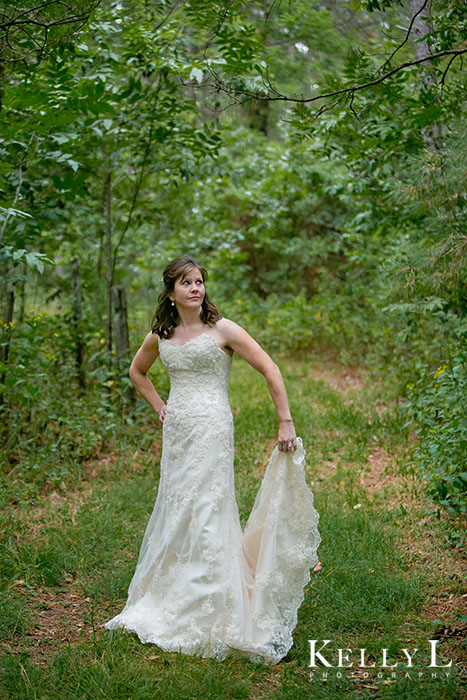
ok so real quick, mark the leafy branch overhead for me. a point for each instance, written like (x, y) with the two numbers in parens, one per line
(27, 28)
(273, 95)
(427, 36)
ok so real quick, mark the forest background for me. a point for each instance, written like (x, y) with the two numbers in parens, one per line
(135, 132)
(310, 154)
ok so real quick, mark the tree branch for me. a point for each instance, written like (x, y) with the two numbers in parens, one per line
(40, 19)
(351, 89)
(386, 63)
(16, 21)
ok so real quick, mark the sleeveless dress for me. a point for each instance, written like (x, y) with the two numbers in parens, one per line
(201, 585)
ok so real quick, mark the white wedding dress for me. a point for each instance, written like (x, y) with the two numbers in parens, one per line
(201, 585)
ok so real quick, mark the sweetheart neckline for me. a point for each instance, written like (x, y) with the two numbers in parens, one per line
(195, 338)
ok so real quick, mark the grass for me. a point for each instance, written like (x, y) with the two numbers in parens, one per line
(391, 576)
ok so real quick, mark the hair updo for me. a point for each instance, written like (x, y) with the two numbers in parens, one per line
(164, 320)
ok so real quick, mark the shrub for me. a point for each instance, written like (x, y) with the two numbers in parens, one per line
(438, 407)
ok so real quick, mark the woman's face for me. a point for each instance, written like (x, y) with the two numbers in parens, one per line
(189, 291)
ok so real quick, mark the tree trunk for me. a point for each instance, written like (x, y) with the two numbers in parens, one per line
(2, 74)
(101, 234)
(120, 325)
(108, 255)
(22, 294)
(421, 28)
(259, 116)
(77, 322)
(6, 333)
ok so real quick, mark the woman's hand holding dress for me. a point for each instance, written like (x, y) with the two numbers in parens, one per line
(287, 440)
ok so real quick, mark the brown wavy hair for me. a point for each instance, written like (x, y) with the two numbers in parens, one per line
(164, 320)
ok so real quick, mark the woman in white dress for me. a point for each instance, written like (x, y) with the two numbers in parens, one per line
(201, 585)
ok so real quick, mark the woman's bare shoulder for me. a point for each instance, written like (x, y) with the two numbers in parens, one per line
(223, 322)
(147, 353)
(151, 340)
(229, 329)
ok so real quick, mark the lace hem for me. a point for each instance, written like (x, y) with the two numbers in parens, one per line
(280, 544)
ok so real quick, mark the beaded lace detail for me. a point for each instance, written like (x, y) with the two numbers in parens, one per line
(201, 585)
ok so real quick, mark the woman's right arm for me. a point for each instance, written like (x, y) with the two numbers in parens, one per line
(142, 362)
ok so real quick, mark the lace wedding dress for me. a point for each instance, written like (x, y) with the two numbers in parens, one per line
(201, 585)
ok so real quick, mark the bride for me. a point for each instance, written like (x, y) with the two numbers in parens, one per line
(201, 585)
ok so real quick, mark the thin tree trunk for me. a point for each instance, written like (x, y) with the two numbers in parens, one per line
(100, 257)
(120, 324)
(259, 116)
(2, 74)
(22, 294)
(108, 255)
(421, 29)
(77, 322)
(6, 332)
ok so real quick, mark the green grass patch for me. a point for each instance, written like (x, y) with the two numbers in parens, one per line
(367, 596)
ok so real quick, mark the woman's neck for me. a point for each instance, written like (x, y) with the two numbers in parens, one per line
(189, 319)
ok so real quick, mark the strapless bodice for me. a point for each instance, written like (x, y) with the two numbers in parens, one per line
(199, 372)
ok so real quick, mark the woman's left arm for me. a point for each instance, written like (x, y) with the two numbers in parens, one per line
(241, 342)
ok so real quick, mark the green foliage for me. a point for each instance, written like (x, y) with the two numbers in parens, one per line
(344, 234)
(438, 406)
(372, 5)
(52, 428)
(30, 28)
